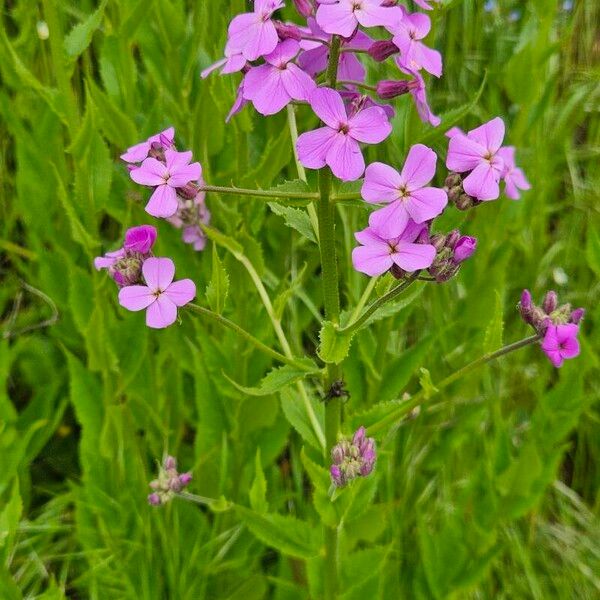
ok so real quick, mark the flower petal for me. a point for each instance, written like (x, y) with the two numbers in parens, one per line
(464, 154)
(162, 313)
(370, 125)
(372, 260)
(329, 107)
(158, 273)
(419, 167)
(412, 257)
(337, 19)
(490, 135)
(313, 146)
(298, 84)
(482, 183)
(163, 202)
(137, 153)
(181, 292)
(389, 222)
(345, 158)
(382, 183)
(426, 203)
(182, 175)
(263, 85)
(136, 297)
(151, 172)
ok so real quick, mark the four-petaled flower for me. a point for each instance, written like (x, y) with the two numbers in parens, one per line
(379, 254)
(274, 85)
(137, 153)
(513, 177)
(560, 343)
(343, 17)
(337, 144)
(477, 151)
(175, 172)
(161, 295)
(405, 192)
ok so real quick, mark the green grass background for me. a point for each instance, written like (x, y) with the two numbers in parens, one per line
(491, 494)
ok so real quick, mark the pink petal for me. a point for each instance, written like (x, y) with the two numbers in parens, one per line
(490, 135)
(419, 167)
(464, 154)
(368, 237)
(174, 159)
(482, 183)
(263, 85)
(329, 107)
(151, 172)
(566, 332)
(350, 68)
(283, 53)
(426, 204)
(313, 147)
(181, 292)
(158, 273)
(370, 125)
(412, 232)
(314, 61)
(372, 14)
(430, 60)
(162, 313)
(136, 297)
(389, 222)
(413, 257)
(382, 183)
(418, 23)
(182, 175)
(345, 158)
(298, 84)
(507, 154)
(262, 40)
(372, 260)
(234, 64)
(337, 19)
(163, 202)
(137, 153)
(212, 68)
(240, 29)
(555, 357)
(570, 348)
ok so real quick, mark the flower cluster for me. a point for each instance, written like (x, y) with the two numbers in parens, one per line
(557, 324)
(352, 458)
(168, 483)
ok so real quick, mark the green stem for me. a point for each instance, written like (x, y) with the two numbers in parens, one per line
(411, 404)
(247, 336)
(346, 196)
(358, 84)
(259, 193)
(356, 324)
(363, 299)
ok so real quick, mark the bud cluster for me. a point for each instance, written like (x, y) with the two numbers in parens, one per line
(457, 194)
(549, 313)
(352, 458)
(168, 483)
(452, 250)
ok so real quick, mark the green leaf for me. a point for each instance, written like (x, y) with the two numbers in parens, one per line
(495, 329)
(287, 534)
(295, 411)
(258, 491)
(334, 345)
(224, 241)
(79, 38)
(218, 287)
(296, 218)
(592, 249)
(9, 522)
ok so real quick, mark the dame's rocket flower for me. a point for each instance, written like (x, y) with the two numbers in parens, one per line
(175, 172)
(161, 295)
(337, 144)
(343, 17)
(550, 312)
(254, 34)
(477, 152)
(405, 193)
(561, 343)
(414, 54)
(379, 253)
(513, 177)
(159, 143)
(275, 84)
(191, 214)
(233, 62)
(168, 483)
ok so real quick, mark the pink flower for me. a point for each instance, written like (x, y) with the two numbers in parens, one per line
(343, 17)
(337, 144)
(405, 193)
(140, 239)
(166, 177)
(560, 343)
(418, 91)
(415, 55)
(238, 103)
(513, 177)
(274, 85)
(232, 63)
(162, 141)
(477, 151)
(253, 34)
(161, 295)
(379, 253)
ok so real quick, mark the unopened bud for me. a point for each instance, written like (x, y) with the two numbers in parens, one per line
(337, 455)
(389, 89)
(577, 315)
(438, 241)
(127, 270)
(452, 239)
(170, 463)
(397, 272)
(464, 249)
(185, 479)
(464, 202)
(287, 31)
(154, 500)
(304, 7)
(453, 180)
(550, 303)
(382, 50)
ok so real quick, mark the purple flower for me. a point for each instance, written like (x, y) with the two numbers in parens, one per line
(405, 193)
(560, 343)
(414, 54)
(418, 91)
(160, 141)
(254, 34)
(464, 249)
(161, 295)
(168, 483)
(232, 63)
(140, 239)
(513, 177)
(477, 151)
(550, 313)
(274, 85)
(304, 7)
(175, 172)
(315, 56)
(382, 49)
(343, 17)
(379, 254)
(352, 458)
(109, 259)
(238, 103)
(337, 144)
(388, 89)
(190, 216)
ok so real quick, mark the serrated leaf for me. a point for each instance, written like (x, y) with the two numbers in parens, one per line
(79, 38)
(258, 490)
(294, 409)
(296, 218)
(218, 286)
(334, 346)
(287, 534)
(278, 379)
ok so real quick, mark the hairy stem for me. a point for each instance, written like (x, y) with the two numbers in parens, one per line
(359, 84)
(271, 194)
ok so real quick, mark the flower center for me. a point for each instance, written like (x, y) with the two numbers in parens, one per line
(343, 128)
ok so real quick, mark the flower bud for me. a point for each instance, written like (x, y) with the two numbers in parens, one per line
(127, 270)
(438, 241)
(382, 50)
(185, 479)
(464, 249)
(170, 463)
(140, 239)
(550, 303)
(154, 500)
(577, 315)
(464, 202)
(305, 8)
(397, 272)
(453, 180)
(336, 476)
(389, 89)
(287, 31)
(352, 458)
(337, 455)
(452, 239)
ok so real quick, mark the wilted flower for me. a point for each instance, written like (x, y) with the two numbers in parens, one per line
(352, 458)
(168, 483)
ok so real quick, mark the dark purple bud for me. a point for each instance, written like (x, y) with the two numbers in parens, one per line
(188, 191)
(526, 301)
(170, 463)
(452, 239)
(359, 436)
(464, 249)
(337, 455)
(304, 7)
(337, 476)
(140, 239)
(389, 89)
(154, 500)
(550, 303)
(127, 270)
(382, 50)
(185, 479)
(287, 31)
(577, 315)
